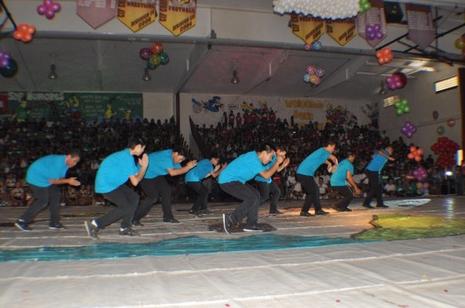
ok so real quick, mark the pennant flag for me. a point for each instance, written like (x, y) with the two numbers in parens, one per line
(178, 16)
(309, 29)
(371, 25)
(342, 31)
(420, 25)
(96, 12)
(137, 14)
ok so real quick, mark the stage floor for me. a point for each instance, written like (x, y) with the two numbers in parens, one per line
(187, 270)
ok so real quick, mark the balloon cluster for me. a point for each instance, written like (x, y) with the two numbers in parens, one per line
(329, 9)
(396, 81)
(384, 55)
(313, 75)
(24, 32)
(364, 5)
(316, 45)
(402, 107)
(155, 55)
(445, 149)
(48, 8)
(373, 32)
(8, 66)
(409, 129)
(420, 174)
(415, 153)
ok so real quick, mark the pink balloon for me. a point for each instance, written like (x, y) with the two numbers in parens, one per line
(50, 14)
(56, 7)
(41, 9)
(48, 2)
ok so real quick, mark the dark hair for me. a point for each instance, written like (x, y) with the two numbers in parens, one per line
(73, 153)
(214, 155)
(134, 141)
(177, 149)
(264, 147)
(330, 142)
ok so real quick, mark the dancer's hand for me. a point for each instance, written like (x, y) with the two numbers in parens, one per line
(73, 181)
(286, 162)
(358, 192)
(144, 161)
(191, 164)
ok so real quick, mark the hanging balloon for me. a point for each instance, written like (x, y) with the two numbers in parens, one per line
(317, 45)
(155, 59)
(440, 130)
(435, 115)
(459, 43)
(24, 32)
(307, 46)
(384, 55)
(402, 107)
(48, 8)
(10, 69)
(164, 58)
(156, 48)
(4, 59)
(145, 53)
(364, 5)
(451, 122)
(306, 78)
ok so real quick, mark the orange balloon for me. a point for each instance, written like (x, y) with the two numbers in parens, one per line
(411, 156)
(420, 151)
(418, 158)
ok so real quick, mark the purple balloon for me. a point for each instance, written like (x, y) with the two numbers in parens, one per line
(41, 9)
(50, 14)
(145, 53)
(377, 27)
(56, 7)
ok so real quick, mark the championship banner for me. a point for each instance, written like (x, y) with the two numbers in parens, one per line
(309, 29)
(371, 25)
(341, 31)
(137, 14)
(178, 16)
(420, 25)
(96, 12)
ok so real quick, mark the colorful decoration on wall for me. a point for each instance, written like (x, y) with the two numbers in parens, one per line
(341, 31)
(451, 122)
(313, 75)
(212, 105)
(94, 13)
(415, 153)
(178, 16)
(402, 107)
(445, 148)
(440, 130)
(396, 81)
(309, 29)
(4, 59)
(137, 14)
(10, 69)
(48, 8)
(421, 28)
(384, 55)
(371, 25)
(420, 174)
(409, 129)
(364, 5)
(155, 55)
(327, 9)
(24, 33)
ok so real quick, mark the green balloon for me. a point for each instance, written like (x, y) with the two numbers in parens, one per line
(398, 111)
(406, 109)
(164, 58)
(151, 66)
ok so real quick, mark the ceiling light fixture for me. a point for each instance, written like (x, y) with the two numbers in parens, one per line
(53, 74)
(235, 79)
(146, 76)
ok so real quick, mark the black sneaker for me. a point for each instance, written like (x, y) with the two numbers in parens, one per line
(137, 223)
(92, 229)
(128, 232)
(276, 212)
(205, 212)
(21, 225)
(56, 226)
(227, 223)
(253, 228)
(321, 212)
(343, 210)
(171, 220)
(367, 206)
(382, 206)
(305, 214)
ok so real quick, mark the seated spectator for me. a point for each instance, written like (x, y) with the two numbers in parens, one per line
(323, 187)
(390, 188)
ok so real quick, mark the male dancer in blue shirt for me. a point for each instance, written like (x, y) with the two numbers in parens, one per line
(233, 180)
(373, 172)
(306, 172)
(43, 176)
(196, 180)
(339, 180)
(112, 175)
(155, 185)
(268, 188)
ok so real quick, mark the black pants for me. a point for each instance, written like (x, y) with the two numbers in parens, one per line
(201, 198)
(126, 201)
(155, 189)
(44, 196)
(250, 198)
(347, 196)
(375, 188)
(312, 192)
(269, 191)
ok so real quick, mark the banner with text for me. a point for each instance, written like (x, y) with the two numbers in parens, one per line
(178, 16)
(96, 12)
(137, 14)
(308, 29)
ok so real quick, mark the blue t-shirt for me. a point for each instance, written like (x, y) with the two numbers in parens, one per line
(50, 167)
(259, 178)
(338, 178)
(114, 171)
(199, 172)
(312, 162)
(377, 163)
(242, 169)
(159, 163)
